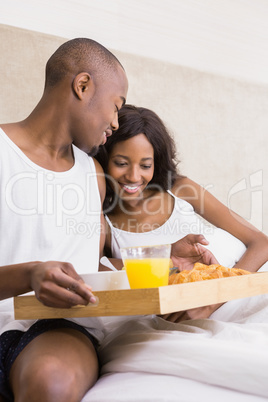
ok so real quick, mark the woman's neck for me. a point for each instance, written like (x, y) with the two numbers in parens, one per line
(147, 214)
(139, 203)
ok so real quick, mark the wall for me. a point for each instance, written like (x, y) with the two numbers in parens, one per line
(220, 124)
(226, 37)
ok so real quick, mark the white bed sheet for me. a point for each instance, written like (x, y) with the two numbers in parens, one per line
(148, 359)
(144, 387)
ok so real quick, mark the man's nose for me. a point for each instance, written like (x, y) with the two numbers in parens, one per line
(115, 124)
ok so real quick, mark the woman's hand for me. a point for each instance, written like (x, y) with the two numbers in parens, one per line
(184, 254)
(192, 314)
(189, 250)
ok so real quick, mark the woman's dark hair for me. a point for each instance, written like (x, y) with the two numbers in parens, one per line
(136, 120)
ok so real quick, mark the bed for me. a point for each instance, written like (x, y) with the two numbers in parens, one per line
(145, 358)
(224, 357)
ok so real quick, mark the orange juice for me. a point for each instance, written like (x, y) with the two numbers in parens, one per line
(147, 272)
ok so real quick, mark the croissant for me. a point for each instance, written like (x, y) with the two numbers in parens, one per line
(201, 272)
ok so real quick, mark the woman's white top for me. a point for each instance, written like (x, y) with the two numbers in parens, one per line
(182, 221)
(47, 215)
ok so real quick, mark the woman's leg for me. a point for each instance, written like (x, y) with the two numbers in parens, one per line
(58, 365)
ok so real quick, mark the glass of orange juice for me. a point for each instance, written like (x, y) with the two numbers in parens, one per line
(147, 266)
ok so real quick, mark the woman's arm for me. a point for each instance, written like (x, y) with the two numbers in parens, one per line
(105, 237)
(102, 191)
(211, 209)
(116, 262)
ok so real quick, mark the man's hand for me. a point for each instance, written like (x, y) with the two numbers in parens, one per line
(57, 284)
(189, 250)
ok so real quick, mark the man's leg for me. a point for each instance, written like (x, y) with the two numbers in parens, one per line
(58, 365)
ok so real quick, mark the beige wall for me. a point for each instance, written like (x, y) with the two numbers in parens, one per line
(228, 37)
(220, 124)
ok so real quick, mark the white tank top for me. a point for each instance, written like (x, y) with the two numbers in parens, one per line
(182, 221)
(47, 215)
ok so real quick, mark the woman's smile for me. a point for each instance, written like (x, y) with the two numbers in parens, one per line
(130, 188)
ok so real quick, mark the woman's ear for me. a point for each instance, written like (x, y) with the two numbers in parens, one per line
(82, 83)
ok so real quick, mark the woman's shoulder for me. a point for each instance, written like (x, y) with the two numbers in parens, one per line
(191, 192)
(186, 189)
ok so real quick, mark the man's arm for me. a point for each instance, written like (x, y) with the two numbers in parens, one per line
(56, 284)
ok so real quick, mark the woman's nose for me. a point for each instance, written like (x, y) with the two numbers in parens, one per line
(133, 174)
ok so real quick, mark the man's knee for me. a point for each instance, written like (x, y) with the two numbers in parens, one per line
(59, 365)
(49, 381)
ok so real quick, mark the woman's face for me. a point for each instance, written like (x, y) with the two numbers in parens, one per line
(131, 167)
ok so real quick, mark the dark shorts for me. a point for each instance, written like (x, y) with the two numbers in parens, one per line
(14, 341)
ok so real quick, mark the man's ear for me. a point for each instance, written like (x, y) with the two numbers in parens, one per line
(81, 84)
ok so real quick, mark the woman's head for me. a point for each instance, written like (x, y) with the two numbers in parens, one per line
(134, 121)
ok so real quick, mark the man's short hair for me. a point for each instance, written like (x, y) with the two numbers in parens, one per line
(79, 55)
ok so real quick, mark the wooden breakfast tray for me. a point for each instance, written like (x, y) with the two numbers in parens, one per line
(162, 300)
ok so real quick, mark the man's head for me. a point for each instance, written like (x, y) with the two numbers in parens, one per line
(78, 55)
(93, 85)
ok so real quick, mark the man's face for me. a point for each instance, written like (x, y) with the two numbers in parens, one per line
(98, 115)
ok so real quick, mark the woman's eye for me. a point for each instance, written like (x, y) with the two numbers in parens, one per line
(146, 166)
(120, 164)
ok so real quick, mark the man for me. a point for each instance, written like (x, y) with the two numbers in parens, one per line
(49, 189)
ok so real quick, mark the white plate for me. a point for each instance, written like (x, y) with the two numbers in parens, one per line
(110, 280)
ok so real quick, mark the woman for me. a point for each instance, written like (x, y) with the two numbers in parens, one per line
(148, 202)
